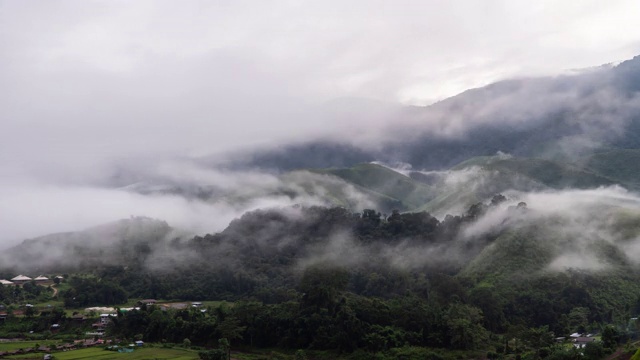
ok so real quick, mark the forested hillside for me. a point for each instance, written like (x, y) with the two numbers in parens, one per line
(328, 278)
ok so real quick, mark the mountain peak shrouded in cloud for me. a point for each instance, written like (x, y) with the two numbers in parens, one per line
(560, 117)
(195, 113)
(565, 118)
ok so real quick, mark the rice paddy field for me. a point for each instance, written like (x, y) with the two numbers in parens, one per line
(15, 345)
(99, 353)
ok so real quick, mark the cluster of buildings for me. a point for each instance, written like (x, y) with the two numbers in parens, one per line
(22, 279)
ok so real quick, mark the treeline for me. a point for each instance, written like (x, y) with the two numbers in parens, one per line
(261, 254)
(326, 278)
(29, 291)
(89, 291)
(324, 316)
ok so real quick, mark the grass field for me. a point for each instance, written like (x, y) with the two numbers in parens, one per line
(101, 354)
(15, 345)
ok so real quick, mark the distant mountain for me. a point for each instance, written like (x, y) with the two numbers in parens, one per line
(558, 118)
(531, 134)
(552, 174)
(621, 166)
(371, 185)
(479, 178)
(474, 180)
(410, 193)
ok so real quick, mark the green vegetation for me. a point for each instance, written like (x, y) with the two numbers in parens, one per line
(550, 173)
(622, 166)
(85, 292)
(145, 353)
(378, 179)
(333, 283)
(15, 345)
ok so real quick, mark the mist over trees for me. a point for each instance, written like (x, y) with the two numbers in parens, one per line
(322, 278)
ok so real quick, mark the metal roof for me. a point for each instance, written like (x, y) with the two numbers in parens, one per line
(21, 278)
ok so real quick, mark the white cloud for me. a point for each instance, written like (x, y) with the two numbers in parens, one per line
(85, 84)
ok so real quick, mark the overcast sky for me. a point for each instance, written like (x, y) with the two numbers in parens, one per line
(119, 77)
(85, 83)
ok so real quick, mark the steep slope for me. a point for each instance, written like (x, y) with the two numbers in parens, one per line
(474, 180)
(538, 254)
(381, 180)
(552, 174)
(622, 166)
(562, 118)
(479, 178)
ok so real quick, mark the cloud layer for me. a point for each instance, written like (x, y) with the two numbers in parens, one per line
(89, 87)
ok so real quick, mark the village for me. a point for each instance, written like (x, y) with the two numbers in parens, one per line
(94, 320)
(39, 280)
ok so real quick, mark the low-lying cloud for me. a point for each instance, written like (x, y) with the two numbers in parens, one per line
(196, 199)
(105, 105)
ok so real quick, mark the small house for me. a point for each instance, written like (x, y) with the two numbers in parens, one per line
(6, 282)
(147, 302)
(139, 343)
(78, 317)
(582, 341)
(43, 280)
(106, 318)
(21, 279)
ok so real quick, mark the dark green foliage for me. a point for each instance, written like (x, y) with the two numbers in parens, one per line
(566, 354)
(212, 354)
(595, 351)
(409, 194)
(552, 174)
(622, 166)
(610, 337)
(323, 279)
(92, 291)
(464, 323)
(29, 292)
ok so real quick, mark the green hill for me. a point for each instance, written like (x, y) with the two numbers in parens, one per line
(534, 243)
(471, 181)
(549, 173)
(381, 180)
(396, 275)
(479, 178)
(622, 166)
(539, 268)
